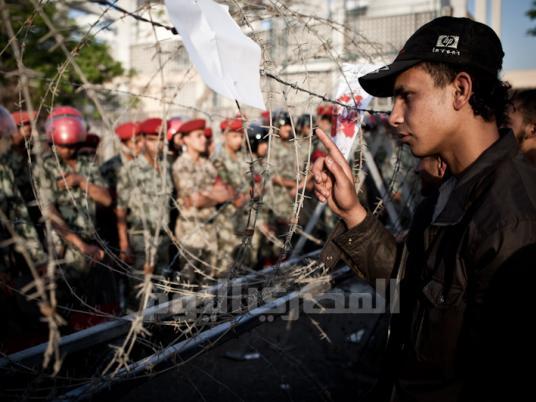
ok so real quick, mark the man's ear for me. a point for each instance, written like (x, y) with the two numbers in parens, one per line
(463, 89)
(441, 167)
(530, 130)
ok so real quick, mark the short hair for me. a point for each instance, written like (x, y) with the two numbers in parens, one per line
(525, 102)
(490, 97)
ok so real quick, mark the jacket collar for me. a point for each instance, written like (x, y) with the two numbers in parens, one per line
(472, 181)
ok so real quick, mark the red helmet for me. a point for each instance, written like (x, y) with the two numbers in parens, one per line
(173, 125)
(66, 130)
(59, 111)
(208, 132)
(128, 130)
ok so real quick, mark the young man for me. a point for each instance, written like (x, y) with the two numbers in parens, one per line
(20, 317)
(18, 161)
(72, 186)
(522, 121)
(199, 190)
(232, 167)
(478, 234)
(143, 201)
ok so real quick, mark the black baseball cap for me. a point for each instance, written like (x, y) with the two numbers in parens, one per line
(450, 40)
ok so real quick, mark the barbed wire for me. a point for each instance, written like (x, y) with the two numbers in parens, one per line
(152, 285)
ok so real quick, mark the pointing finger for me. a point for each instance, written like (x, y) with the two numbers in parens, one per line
(334, 152)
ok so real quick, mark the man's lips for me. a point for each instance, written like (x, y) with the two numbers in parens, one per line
(404, 137)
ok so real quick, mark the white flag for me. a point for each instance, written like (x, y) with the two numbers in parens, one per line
(227, 60)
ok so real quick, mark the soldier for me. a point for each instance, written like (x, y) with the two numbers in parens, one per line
(71, 187)
(263, 248)
(233, 168)
(130, 148)
(143, 201)
(19, 163)
(284, 168)
(14, 214)
(20, 317)
(198, 192)
(129, 144)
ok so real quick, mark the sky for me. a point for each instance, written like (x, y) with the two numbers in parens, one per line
(519, 48)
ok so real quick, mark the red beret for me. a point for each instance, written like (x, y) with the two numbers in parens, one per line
(126, 131)
(232, 125)
(191, 125)
(325, 110)
(208, 132)
(23, 117)
(150, 126)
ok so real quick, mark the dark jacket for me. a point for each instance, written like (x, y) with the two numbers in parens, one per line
(448, 266)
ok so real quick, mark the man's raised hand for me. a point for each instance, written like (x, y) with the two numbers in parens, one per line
(334, 184)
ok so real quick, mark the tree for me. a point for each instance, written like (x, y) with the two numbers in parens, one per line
(532, 15)
(44, 59)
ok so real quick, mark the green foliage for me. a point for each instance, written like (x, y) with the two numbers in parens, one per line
(51, 83)
(532, 15)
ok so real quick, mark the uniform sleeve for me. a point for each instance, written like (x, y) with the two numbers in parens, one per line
(19, 218)
(46, 181)
(123, 187)
(94, 175)
(175, 172)
(212, 172)
(221, 170)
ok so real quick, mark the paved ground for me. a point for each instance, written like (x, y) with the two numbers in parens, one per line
(294, 363)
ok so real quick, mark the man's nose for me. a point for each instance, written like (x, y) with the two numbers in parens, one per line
(396, 118)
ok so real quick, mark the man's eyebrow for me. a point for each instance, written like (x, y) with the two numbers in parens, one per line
(399, 90)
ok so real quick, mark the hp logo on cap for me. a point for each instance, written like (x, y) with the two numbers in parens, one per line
(448, 41)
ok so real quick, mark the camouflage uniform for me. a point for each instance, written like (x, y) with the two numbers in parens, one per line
(14, 210)
(282, 163)
(20, 316)
(21, 171)
(74, 205)
(194, 232)
(21, 168)
(232, 221)
(109, 171)
(145, 195)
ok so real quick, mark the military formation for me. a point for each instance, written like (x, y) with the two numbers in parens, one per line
(174, 202)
